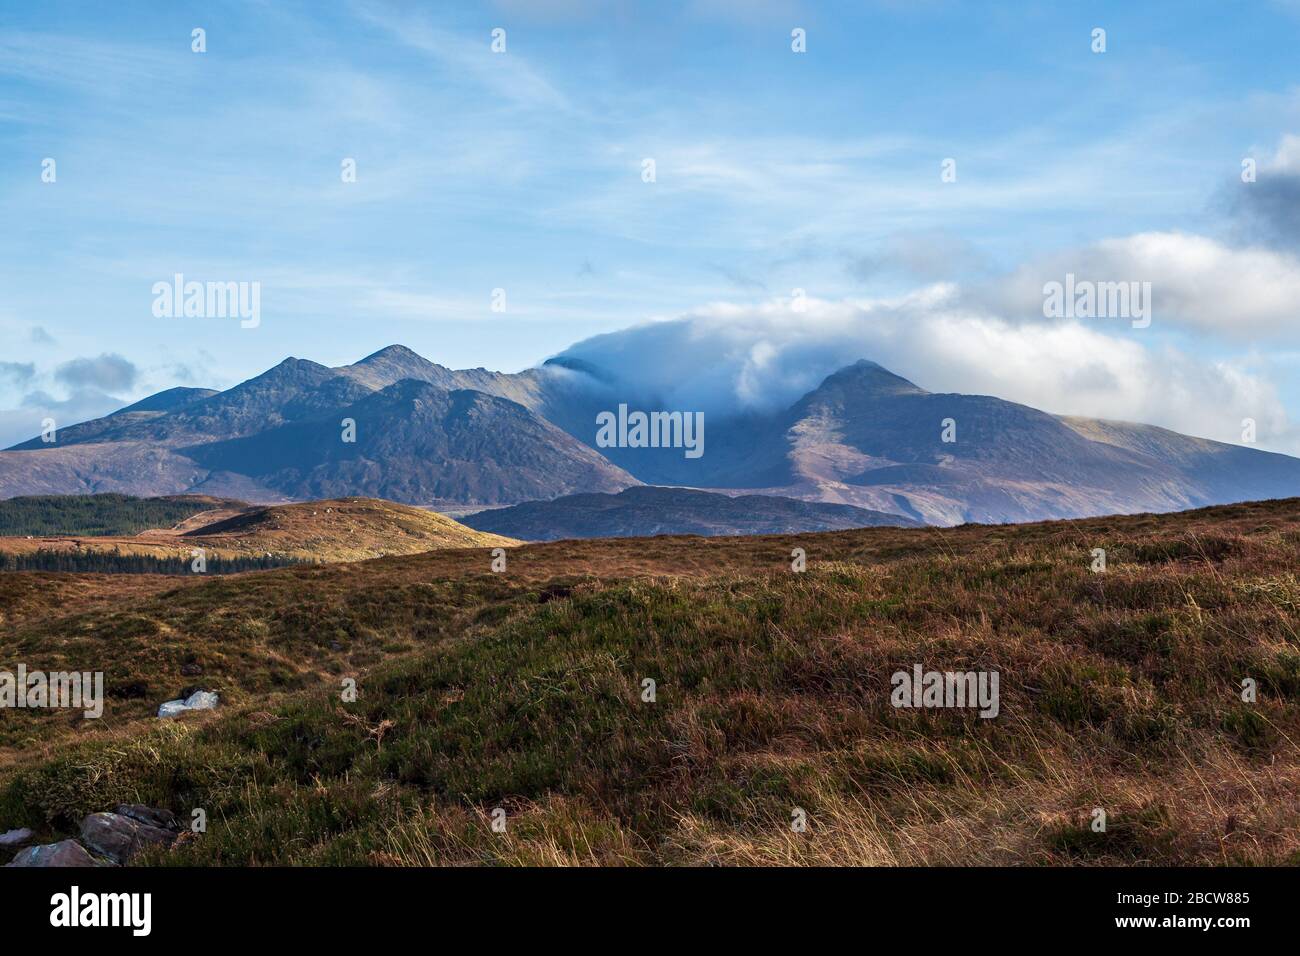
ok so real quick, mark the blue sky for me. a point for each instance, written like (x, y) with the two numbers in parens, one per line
(774, 171)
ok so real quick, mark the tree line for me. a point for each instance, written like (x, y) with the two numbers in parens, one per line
(115, 562)
(92, 515)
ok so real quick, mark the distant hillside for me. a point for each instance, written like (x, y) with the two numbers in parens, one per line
(391, 365)
(138, 468)
(647, 510)
(350, 529)
(98, 515)
(344, 529)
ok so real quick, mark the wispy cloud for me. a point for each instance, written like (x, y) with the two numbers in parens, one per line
(508, 76)
(98, 68)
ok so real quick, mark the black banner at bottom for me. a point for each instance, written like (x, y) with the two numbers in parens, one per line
(333, 906)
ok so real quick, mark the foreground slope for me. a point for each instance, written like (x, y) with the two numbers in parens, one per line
(524, 690)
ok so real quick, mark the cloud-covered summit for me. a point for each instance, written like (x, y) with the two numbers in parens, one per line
(732, 357)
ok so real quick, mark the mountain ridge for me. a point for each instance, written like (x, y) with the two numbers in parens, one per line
(430, 435)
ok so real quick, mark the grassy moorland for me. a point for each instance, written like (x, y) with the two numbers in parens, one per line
(522, 690)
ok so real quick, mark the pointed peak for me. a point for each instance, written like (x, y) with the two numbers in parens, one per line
(294, 370)
(292, 364)
(169, 399)
(391, 352)
(870, 375)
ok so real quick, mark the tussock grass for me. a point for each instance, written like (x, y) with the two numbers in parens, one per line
(523, 691)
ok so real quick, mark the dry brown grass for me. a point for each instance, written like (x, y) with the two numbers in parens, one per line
(520, 690)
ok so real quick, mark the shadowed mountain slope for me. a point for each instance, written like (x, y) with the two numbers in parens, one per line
(293, 390)
(870, 438)
(421, 444)
(646, 511)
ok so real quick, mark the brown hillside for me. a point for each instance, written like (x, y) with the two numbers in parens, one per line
(339, 529)
(344, 529)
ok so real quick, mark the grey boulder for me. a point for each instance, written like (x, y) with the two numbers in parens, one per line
(64, 853)
(15, 838)
(120, 837)
(162, 819)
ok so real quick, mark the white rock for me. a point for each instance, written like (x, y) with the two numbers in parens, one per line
(171, 708)
(16, 838)
(199, 700)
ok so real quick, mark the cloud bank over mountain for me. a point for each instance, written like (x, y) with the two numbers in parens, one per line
(1223, 308)
(729, 357)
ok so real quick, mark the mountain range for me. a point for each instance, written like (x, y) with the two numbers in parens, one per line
(464, 439)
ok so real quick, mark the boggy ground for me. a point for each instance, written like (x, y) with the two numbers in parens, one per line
(523, 690)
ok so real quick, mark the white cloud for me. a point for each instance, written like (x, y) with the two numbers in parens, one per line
(727, 356)
(1287, 156)
(1196, 282)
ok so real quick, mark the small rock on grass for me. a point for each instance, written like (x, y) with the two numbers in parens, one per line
(162, 819)
(15, 838)
(199, 700)
(63, 853)
(120, 837)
